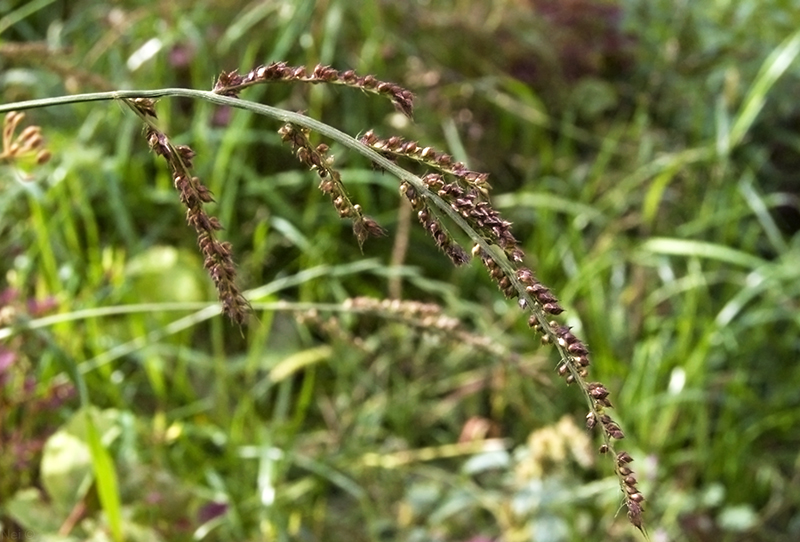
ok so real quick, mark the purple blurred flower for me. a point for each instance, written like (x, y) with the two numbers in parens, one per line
(8, 295)
(37, 307)
(7, 359)
(211, 511)
(181, 56)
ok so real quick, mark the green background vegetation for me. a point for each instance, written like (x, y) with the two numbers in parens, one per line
(647, 152)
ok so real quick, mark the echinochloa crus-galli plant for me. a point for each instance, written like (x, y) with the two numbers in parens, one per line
(446, 196)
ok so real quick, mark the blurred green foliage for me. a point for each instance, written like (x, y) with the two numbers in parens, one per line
(646, 151)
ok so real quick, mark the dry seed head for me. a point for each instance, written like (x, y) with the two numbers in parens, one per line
(597, 390)
(13, 118)
(364, 227)
(633, 498)
(186, 154)
(30, 137)
(614, 432)
(396, 147)
(525, 276)
(145, 106)
(577, 348)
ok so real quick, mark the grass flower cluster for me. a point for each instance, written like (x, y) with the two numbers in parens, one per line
(473, 358)
(193, 194)
(446, 196)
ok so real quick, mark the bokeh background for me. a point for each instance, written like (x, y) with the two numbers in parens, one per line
(647, 152)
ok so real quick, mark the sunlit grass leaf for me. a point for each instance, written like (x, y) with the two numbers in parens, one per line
(106, 477)
(701, 249)
(774, 66)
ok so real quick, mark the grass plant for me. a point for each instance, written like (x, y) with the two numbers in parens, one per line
(464, 201)
(645, 152)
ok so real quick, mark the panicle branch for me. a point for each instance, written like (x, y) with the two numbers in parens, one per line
(231, 83)
(425, 317)
(193, 194)
(397, 147)
(573, 367)
(317, 159)
(479, 213)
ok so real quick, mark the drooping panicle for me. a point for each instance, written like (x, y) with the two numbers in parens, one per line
(542, 303)
(447, 192)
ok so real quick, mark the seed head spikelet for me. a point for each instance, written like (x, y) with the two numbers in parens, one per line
(434, 227)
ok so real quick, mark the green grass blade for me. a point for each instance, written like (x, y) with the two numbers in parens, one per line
(772, 69)
(761, 210)
(27, 9)
(106, 478)
(701, 249)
